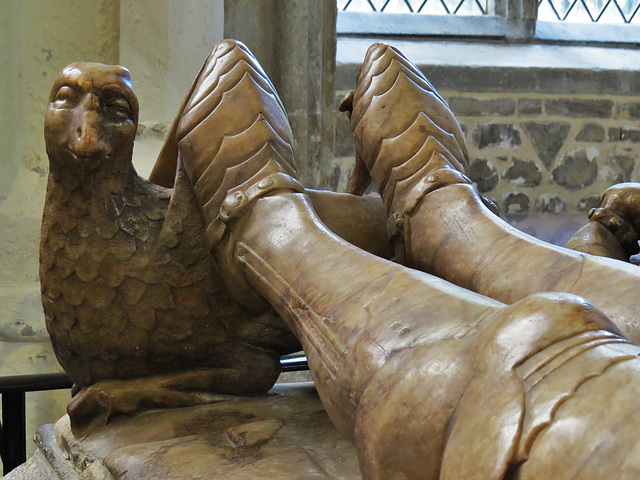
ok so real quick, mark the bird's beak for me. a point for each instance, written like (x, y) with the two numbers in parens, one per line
(86, 140)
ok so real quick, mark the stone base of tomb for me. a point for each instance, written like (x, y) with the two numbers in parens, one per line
(285, 434)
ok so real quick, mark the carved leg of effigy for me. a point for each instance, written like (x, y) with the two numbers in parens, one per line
(407, 365)
(359, 220)
(412, 146)
(412, 368)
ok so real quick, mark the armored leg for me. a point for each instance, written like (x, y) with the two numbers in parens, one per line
(407, 365)
(413, 149)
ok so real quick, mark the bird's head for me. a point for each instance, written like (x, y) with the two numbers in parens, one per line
(92, 118)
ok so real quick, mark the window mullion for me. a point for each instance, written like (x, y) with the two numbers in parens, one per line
(497, 7)
(521, 9)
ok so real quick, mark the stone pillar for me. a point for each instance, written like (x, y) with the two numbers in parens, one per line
(37, 39)
(164, 44)
(295, 41)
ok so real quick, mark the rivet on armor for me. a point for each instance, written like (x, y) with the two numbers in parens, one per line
(266, 182)
(615, 224)
(230, 203)
(598, 214)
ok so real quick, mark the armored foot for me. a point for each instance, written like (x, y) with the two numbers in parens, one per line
(613, 228)
(412, 146)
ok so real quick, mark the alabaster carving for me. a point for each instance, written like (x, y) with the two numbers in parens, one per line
(613, 228)
(402, 360)
(428, 379)
(408, 366)
(441, 225)
(129, 287)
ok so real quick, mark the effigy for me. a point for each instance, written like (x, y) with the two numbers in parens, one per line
(153, 296)
(451, 232)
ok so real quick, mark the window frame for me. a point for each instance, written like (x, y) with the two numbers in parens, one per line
(507, 21)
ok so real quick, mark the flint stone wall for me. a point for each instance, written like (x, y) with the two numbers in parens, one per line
(543, 140)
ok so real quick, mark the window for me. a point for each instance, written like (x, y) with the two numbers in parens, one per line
(426, 7)
(590, 11)
(540, 21)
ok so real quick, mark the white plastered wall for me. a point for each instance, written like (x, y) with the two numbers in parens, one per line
(163, 42)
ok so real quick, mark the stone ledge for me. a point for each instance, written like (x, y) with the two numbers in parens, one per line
(246, 437)
(485, 67)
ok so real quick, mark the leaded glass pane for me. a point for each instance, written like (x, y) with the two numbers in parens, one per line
(358, 6)
(397, 6)
(611, 14)
(628, 9)
(597, 7)
(379, 5)
(429, 7)
(588, 11)
(432, 7)
(416, 5)
(578, 14)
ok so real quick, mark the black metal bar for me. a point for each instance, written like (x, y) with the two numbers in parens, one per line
(14, 442)
(34, 383)
(294, 364)
(57, 381)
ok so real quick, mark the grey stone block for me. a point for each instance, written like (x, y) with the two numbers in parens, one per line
(463, 78)
(483, 174)
(632, 134)
(621, 134)
(549, 204)
(344, 146)
(614, 134)
(519, 79)
(620, 168)
(346, 76)
(587, 203)
(576, 170)
(516, 203)
(591, 132)
(629, 110)
(473, 107)
(578, 108)
(493, 134)
(35, 468)
(337, 174)
(547, 138)
(529, 106)
(523, 172)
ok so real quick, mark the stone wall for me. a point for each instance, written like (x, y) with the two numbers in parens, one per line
(537, 153)
(546, 143)
(37, 39)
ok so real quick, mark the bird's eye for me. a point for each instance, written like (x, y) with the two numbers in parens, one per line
(66, 97)
(120, 107)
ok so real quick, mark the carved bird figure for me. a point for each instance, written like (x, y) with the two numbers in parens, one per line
(129, 286)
